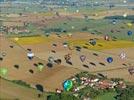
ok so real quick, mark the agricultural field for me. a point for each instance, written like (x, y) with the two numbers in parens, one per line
(66, 50)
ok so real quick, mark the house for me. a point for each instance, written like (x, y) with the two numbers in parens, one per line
(17, 30)
(59, 91)
(121, 85)
(104, 84)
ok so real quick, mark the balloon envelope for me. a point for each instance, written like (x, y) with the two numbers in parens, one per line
(109, 59)
(129, 33)
(3, 71)
(67, 85)
(82, 58)
(129, 24)
(40, 67)
(92, 42)
(123, 55)
(16, 39)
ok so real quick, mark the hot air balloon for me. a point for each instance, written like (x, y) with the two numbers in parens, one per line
(65, 44)
(125, 15)
(50, 65)
(30, 55)
(3, 71)
(129, 24)
(82, 58)
(67, 57)
(129, 33)
(67, 85)
(109, 59)
(51, 60)
(40, 67)
(106, 37)
(47, 34)
(114, 21)
(123, 55)
(92, 42)
(69, 34)
(16, 39)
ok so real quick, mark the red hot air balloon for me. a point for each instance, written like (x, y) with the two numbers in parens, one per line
(82, 58)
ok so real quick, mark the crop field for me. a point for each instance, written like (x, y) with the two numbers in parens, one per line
(102, 45)
(66, 49)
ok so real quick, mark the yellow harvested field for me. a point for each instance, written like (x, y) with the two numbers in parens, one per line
(32, 40)
(102, 44)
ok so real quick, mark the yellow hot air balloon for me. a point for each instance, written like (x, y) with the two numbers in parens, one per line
(16, 39)
(69, 34)
(129, 24)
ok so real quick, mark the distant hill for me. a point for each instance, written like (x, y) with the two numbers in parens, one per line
(66, 0)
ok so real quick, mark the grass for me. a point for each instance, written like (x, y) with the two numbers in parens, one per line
(106, 96)
(12, 91)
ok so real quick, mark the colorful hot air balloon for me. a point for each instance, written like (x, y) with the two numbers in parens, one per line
(114, 21)
(67, 85)
(109, 59)
(129, 33)
(106, 37)
(123, 55)
(16, 39)
(129, 24)
(69, 34)
(3, 71)
(92, 42)
(82, 58)
(51, 60)
(40, 67)
(125, 15)
(30, 55)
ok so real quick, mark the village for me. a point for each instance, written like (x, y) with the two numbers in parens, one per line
(99, 82)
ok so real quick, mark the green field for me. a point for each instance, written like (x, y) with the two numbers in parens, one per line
(106, 96)
(102, 26)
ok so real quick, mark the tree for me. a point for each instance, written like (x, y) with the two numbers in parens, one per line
(62, 96)
(125, 94)
(39, 87)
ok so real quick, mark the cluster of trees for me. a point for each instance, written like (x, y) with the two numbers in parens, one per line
(125, 94)
(92, 92)
(62, 96)
(22, 83)
(130, 17)
(54, 30)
